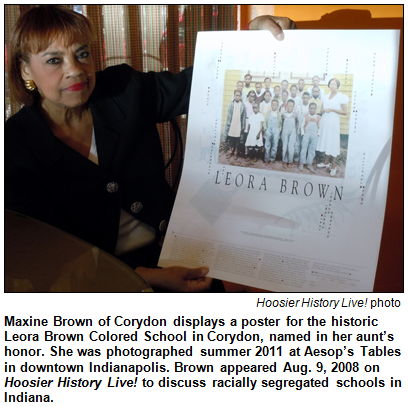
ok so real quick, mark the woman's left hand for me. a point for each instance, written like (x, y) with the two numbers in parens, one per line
(274, 24)
(177, 279)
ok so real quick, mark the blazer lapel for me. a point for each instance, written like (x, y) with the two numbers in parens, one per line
(45, 145)
(53, 153)
(108, 122)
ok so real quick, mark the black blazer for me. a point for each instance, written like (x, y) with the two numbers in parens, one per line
(47, 180)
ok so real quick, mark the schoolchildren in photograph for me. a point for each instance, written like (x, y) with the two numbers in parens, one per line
(303, 108)
(254, 142)
(315, 82)
(265, 106)
(301, 111)
(301, 85)
(240, 86)
(248, 110)
(293, 95)
(267, 83)
(310, 129)
(315, 99)
(282, 106)
(235, 124)
(284, 87)
(273, 124)
(288, 135)
(247, 84)
(259, 92)
(277, 93)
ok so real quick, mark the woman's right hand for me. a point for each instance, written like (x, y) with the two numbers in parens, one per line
(274, 24)
(177, 279)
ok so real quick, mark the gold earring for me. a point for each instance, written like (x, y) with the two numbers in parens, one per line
(30, 85)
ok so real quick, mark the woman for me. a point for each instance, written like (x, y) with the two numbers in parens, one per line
(334, 105)
(84, 154)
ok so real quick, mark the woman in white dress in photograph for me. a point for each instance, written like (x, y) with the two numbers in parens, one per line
(334, 105)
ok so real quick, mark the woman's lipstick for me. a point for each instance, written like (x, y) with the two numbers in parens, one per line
(77, 86)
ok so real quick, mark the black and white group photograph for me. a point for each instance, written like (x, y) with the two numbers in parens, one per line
(298, 125)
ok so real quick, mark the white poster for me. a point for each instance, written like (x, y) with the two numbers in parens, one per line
(273, 209)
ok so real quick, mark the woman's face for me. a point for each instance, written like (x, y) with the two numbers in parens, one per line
(333, 85)
(65, 76)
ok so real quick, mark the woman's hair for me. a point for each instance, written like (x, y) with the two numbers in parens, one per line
(334, 79)
(34, 32)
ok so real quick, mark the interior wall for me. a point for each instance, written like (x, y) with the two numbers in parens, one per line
(315, 12)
